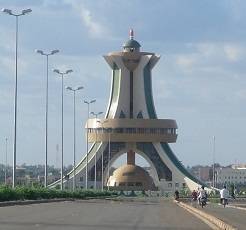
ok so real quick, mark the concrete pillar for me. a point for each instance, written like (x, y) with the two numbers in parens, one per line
(130, 157)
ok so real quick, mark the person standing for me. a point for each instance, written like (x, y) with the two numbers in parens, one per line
(176, 195)
(224, 193)
(202, 197)
(194, 195)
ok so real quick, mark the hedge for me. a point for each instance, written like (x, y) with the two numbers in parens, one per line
(27, 193)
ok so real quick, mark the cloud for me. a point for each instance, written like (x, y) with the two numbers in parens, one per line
(218, 58)
(162, 89)
(6, 64)
(200, 80)
(236, 9)
(206, 49)
(241, 94)
(94, 27)
(185, 61)
(232, 52)
(7, 39)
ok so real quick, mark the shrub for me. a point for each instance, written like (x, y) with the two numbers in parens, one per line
(34, 193)
(7, 193)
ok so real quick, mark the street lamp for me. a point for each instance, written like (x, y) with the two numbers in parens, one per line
(95, 176)
(109, 153)
(102, 124)
(6, 160)
(46, 110)
(213, 161)
(74, 135)
(62, 76)
(9, 12)
(87, 149)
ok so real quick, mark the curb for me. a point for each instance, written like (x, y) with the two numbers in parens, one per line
(26, 202)
(236, 207)
(219, 224)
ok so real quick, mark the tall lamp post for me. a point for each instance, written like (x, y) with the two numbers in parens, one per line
(62, 76)
(87, 149)
(95, 177)
(46, 109)
(102, 124)
(6, 160)
(109, 153)
(23, 12)
(74, 133)
(213, 161)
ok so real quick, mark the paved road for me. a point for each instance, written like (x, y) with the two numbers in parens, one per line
(99, 214)
(230, 215)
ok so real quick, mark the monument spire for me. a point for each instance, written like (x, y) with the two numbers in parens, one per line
(131, 33)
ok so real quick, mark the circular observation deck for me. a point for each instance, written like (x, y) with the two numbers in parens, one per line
(132, 130)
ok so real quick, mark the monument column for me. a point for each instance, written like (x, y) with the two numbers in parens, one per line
(131, 157)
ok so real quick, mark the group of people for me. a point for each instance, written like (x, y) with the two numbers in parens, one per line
(201, 195)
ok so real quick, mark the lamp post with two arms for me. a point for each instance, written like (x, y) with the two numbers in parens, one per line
(95, 177)
(87, 141)
(62, 74)
(46, 109)
(74, 90)
(9, 12)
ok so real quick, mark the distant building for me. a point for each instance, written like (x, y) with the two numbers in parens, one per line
(239, 166)
(202, 172)
(235, 174)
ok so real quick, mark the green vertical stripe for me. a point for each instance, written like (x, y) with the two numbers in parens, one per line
(115, 91)
(148, 92)
(131, 94)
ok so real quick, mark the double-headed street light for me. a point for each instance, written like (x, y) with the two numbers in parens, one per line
(87, 149)
(95, 176)
(62, 76)
(96, 114)
(74, 133)
(23, 12)
(46, 110)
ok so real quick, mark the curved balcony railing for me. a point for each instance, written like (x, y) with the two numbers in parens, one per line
(132, 130)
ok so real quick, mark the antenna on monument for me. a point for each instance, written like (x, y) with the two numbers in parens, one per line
(131, 33)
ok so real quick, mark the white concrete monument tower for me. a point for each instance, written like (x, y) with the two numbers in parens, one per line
(131, 125)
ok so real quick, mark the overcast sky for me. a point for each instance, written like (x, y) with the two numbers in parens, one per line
(200, 79)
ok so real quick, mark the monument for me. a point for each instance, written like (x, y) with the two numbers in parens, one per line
(131, 126)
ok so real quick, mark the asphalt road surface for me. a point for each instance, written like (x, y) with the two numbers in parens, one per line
(232, 216)
(99, 214)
